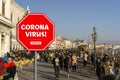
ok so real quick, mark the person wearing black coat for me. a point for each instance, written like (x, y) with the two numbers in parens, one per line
(99, 70)
(61, 61)
(67, 65)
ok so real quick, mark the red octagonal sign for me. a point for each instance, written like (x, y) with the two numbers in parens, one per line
(35, 31)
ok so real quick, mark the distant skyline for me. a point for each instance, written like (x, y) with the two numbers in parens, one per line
(74, 19)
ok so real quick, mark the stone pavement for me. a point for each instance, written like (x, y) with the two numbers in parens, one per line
(46, 72)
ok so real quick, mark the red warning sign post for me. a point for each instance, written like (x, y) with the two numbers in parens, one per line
(35, 32)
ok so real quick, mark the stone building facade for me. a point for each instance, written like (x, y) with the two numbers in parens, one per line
(17, 13)
(10, 14)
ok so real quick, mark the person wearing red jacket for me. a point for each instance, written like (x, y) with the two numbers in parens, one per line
(2, 70)
(10, 69)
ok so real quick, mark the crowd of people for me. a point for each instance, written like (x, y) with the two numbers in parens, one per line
(7, 69)
(67, 60)
(61, 59)
(106, 68)
(10, 61)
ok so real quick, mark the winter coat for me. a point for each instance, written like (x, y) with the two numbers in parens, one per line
(67, 62)
(10, 72)
(2, 71)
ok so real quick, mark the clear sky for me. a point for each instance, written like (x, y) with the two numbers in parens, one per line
(76, 18)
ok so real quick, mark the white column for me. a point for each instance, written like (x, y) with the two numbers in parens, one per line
(7, 45)
(3, 42)
(1, 6)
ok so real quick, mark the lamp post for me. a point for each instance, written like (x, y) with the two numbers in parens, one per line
(94, 38)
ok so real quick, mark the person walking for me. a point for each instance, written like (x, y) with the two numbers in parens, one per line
(85, 58)
(92, 58)
(56, 64)
(46, 57)
(38, 57)
(67, 65)
(74, 61)
(99, 68)
(61, 61)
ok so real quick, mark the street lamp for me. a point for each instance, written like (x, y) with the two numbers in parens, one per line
(94, 38)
